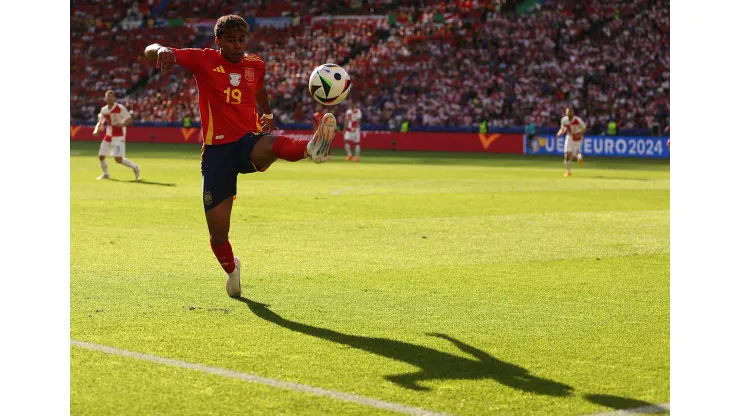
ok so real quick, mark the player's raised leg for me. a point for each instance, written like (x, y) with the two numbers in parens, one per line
(271, 147)
(318, 146)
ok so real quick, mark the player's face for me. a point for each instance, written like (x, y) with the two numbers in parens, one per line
(570, 113)
(233, 43)
(110, 99)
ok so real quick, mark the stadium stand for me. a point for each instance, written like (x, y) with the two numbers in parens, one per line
(436, 64)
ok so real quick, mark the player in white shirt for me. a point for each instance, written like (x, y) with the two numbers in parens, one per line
(574, 128)
(352, 131)
(115, 117)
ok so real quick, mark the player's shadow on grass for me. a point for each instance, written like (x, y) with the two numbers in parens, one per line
(143, 181)
(616, 402)
(433, 364)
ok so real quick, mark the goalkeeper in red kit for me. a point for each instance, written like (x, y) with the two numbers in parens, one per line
(235, 138)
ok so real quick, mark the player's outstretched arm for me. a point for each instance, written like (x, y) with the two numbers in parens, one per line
(163, 55)
(561, 132)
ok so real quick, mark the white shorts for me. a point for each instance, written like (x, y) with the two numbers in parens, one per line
(116, 147)
(352, 136)
(572, 146)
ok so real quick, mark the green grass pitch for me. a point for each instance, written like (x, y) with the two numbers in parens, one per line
(464, 284)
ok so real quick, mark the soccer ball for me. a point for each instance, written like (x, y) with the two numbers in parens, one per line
(329, 84)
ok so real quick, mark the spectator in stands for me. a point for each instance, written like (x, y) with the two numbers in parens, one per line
(462, 59)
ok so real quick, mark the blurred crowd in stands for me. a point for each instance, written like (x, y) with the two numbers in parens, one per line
(431, 63)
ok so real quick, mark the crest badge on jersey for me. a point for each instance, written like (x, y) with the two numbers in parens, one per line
(249, 75)
(235, 79)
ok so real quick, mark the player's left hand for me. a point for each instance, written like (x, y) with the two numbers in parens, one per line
(267, 124)
(165, 59)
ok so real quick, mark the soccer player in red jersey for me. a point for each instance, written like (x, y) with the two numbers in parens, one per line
(235, 139)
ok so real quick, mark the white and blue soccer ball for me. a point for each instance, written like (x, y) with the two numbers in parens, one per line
(329, 84)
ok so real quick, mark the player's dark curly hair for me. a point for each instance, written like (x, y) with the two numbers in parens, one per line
(229, 22)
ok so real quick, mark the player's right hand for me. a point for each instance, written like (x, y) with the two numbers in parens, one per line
(267, 124)
(165, 59)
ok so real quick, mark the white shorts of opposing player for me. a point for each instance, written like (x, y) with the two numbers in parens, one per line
(116, 147)
(573, 146)
(352, 136)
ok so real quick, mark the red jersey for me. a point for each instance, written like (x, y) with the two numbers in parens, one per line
(228, 109)
(317, 119)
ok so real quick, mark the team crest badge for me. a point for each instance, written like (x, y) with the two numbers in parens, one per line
(207, 198)
(235, 79)
(249, 75)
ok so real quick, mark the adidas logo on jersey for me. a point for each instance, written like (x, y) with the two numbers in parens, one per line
(219, 69)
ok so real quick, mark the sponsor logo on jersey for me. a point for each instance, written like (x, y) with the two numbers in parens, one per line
(219, 69)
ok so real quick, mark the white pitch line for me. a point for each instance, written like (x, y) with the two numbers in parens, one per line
(637, 410)
(286, 385)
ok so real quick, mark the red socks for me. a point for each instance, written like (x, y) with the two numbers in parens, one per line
(289, 149)
(225, 256)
